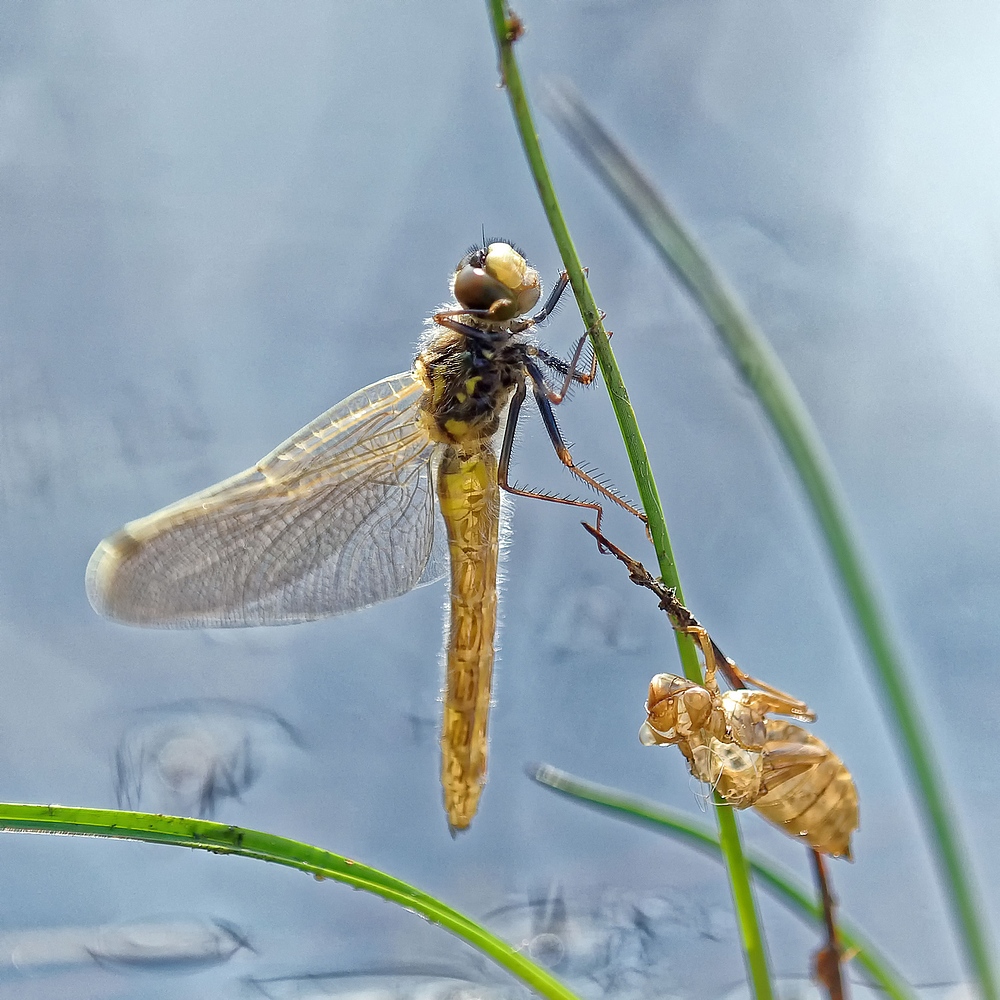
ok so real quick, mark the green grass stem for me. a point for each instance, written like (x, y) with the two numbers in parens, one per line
(221, 839)
(506, 30)
(785, 887)
(763, 372)
(591, 315)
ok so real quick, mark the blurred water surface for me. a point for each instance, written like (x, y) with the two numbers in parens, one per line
(218, 220)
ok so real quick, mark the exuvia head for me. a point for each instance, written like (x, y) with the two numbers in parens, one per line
(495, 283)
(676, 708)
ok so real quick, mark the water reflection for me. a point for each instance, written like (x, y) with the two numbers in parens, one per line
(591, 620)
(621, 946)
(174, 946)
(402, 983)
(618, 947)
(187, 757)
(802, 988)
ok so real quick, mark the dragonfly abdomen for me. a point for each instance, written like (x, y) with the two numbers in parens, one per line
(470, 504)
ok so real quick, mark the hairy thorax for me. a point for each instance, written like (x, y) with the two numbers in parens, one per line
(468, 382)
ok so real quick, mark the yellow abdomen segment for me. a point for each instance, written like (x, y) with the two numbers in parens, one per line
(470, 503)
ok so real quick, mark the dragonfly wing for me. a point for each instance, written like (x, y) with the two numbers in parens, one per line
(439, 561)
(338, 517)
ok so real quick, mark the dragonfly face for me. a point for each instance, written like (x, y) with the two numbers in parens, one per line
(497, 279)
(342, 514)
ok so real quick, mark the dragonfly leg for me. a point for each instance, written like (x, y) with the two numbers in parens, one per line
(566, 368)
(445, 319)
(569, 368)
(554, 296)
(503, 464)
(550, 303)
(555, 436)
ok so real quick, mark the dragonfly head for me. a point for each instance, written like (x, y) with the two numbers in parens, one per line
(496, 283)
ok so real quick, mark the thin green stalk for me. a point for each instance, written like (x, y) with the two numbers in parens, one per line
(782, 885)
(747, 917)
(221, 839)
(506, 30)
(592, 319)
(764, 373)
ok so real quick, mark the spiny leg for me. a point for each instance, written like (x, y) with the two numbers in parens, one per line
(555, 436)
(568, 368)
(503, 466)
(550, 303)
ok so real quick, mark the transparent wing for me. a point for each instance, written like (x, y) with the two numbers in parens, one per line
(338, 517)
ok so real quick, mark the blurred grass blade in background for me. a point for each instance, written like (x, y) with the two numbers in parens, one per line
(764, 373)
(785, 887)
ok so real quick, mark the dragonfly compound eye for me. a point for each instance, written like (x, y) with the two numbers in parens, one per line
(497, 281)
(509, 267)
(479, 291)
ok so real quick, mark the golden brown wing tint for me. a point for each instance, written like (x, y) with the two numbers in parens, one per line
(338, 517)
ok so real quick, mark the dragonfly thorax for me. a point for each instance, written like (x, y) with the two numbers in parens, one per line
(468, 381)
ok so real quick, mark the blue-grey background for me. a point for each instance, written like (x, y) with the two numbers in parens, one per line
(219, 219)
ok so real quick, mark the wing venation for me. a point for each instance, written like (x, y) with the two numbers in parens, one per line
(338, 517)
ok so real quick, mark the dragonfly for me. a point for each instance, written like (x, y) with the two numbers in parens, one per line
(378, 495)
